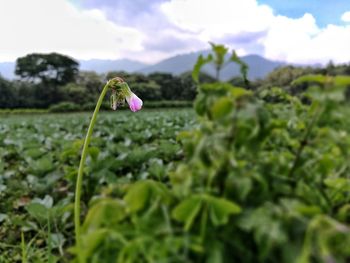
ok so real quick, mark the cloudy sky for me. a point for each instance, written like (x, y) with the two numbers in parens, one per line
(150, 30)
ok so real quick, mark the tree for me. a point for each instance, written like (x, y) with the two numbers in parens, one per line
(283, 76)
(50, 68)
(7, 94)
(170, 86)
(189, 87)
(93, 83)
(75, 93)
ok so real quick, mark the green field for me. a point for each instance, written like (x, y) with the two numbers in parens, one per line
(39, 159)
(251, 175)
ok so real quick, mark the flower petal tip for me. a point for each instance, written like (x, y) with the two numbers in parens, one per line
(135, 103)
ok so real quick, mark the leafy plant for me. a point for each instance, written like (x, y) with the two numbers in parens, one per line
(263, 181)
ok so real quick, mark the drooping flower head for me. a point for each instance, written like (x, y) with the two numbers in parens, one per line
(122, 92)
(135, 103)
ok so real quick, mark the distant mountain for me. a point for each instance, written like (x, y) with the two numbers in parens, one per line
(259, 67)
(103, 66)
(175, 65)
(98, 65)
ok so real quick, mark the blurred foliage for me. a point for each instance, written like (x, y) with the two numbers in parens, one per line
(265, 179)
(50, 68)
(48, 79)
(258, 173)
(87, 86)
(38, 165)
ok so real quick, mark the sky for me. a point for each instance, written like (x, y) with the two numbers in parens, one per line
(296, 31)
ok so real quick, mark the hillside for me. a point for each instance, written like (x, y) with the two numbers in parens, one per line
(259, 67)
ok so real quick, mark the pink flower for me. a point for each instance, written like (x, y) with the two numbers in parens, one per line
(135, 103)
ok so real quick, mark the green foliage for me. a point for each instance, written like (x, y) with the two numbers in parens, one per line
(38, 166)
(217, 58)
(7, 97)
(75, 94)
(51, 68)
(158, 89)
(252, 177)
(22, 111)
(64, 107)
(168, 104)
(171, 87)
(265, 179)
(284, 76)
(201, 61)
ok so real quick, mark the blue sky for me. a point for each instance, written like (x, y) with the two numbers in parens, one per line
(325, 11)
(298, 31)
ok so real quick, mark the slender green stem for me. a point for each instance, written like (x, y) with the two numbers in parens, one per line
(81, 172)
(24, 248)
(49, 247)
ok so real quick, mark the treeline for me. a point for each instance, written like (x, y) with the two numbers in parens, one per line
(45, 80)
(54, 80)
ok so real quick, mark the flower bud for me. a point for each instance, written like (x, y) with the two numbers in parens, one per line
(122, 92)
(135, 103)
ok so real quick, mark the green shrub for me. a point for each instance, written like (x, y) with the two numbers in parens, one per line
(23, 111)
(262, 181)
(65, 107)
(168, 104)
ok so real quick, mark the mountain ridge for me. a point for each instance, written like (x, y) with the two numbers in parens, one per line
(259, 66)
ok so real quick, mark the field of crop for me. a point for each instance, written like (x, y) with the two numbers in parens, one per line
(248, 175)
(252, 177)
(39, 158)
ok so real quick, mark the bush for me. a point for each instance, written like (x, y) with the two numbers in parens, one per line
(168, 104)
(261, 181)
(90, 106)
(65, 107)
(23, 111)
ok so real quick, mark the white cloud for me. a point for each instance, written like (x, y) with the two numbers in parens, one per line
(346, 17)
(216, 18)
(172, 27)
(57, 25)
(302, 41)
(294, 40)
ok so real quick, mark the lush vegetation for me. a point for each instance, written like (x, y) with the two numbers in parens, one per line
(253, 174)
(39, 165)
(46, 80)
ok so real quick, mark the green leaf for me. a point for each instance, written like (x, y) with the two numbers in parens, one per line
(338, 183)
(216, 253)
(3, 217)
(187, 211)
(138, 195)
(319, 79)
(34, 153)
(104, 213)
(220, 51)
(222, 107)
(309, 210)
(238, 92)
(42, 165)
(56, 240)
(199, 64)
(37, 210)
(47, 201)
(220, 209)
(243, 66)
(94, 152)
(92, 240)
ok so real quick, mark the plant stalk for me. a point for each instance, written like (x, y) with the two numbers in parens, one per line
(79, 181)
